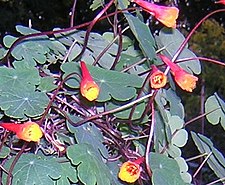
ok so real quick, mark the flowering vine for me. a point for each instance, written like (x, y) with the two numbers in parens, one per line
(130, 171)
(185, 80)
(28, 131)
(157, 79)
(166, 15)
(88, 87)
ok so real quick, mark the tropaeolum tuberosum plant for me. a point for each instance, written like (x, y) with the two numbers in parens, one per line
(78, 107)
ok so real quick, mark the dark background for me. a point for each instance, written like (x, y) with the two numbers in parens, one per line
(46, 15)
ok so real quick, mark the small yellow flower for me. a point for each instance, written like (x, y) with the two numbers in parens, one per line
(129, 172)
(157, 79)
(30, 132)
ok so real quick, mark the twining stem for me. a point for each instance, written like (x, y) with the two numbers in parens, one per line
(203, 162)
(9, 177)
(26, 37)
(69, 51)
(114, 110)
(55, 93)
(107, 47)
(205, 59)
(183, 44)
(72, 13)
(93, 22)
(120, 47)
(187, 123)
(196, 157)
(218, 180)
(151, 132)
(198, 117)
(180, 49)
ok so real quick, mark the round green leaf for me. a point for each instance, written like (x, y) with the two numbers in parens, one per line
(19, 103)
(33, 169)
(164, 170)
(180, 138)
(120, 86)
(217, 106)
(91, 169)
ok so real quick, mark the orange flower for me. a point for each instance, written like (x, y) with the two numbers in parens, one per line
(157, 79)
(221, 2)
(185, 80)
(29, 131)
(88, 88)
(130, 171)
(166, 15)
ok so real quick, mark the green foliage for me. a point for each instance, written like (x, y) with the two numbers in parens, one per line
(96, 4)
(108, 81)
(86, 142)
(216, 160)
(91, 168)
(165, 170)
(68, 174)
(215, 106)
(32, 169)
(88, 134)
(171, 39)
(96, 45)
(143, 35)
(19, 98)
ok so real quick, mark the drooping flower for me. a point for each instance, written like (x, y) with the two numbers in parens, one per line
(88, 87)
(130, 171)
(28, 131)
(221, 2)
(185, 80)
(157, 79)
(166, 15)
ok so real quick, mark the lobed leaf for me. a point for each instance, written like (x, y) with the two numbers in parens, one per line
(165, 170)
(46, 84)
(216, 161)
(171, 39)
(91, 169)
(33, 169)
(18, 77)
(19, 103)
(143, 35)
(216, 106)
(120, 86)
(68, 174)
(18, 97)
(88, 134)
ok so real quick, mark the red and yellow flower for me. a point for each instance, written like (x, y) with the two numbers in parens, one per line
(185, 80)
(130, 171)
(166, 15)
(28, 131)
(221, 2)
(88, 87)
(157, 79)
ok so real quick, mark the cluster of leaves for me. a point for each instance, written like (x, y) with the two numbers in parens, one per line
(85, 142)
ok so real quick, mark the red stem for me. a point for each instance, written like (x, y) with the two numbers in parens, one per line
(180, 49)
